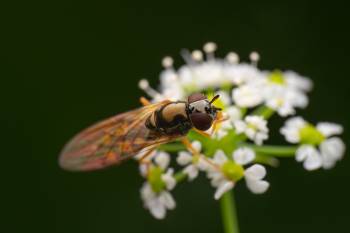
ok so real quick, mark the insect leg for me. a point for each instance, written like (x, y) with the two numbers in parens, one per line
(144, 101)
(190, 148)
(220, 118)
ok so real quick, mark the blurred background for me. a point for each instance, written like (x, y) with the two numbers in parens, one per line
(66, 64)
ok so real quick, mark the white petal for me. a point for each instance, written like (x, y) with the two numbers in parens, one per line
(243, 155)
(162, 159)
(197, 145)
(191, 171)
(223, 188)
(167, 200)
(143, 168)
(329, 129)
(257, 186)
(247, 96)
(216, 178)
(184, 158)
(313, 161)
(203, 165)
(303, 151)
(250, 132)
(168, 179)
(234, 113)
(220, 157)
(255, 172)
(332, 150)
(240, 126)
(291, 129)
(146, 192)
(157, 209)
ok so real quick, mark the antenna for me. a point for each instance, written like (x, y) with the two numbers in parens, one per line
(214, 98)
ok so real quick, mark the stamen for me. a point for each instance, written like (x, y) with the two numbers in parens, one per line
(232, 57)
(254, 58)
(187, 56)
(167, 62)
(209, 48)
(144, 85)
(197, 55)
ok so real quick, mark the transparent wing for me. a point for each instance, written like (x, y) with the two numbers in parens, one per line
(112, 141)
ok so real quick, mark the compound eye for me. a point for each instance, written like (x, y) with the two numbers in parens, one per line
(196, 97)
(201, 121)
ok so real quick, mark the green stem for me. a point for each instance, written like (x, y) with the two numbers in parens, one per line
(278, 151)
(180, 176)
(228, 212)
(264, 111)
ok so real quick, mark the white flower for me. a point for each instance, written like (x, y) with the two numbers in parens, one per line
(332, 150)
(284, 100)
(202, 75)
(157, 203)
(329, 129)
(234, 113)
(319, 148)
(255, 127)
(283, 92)
(223, 187)
(239, 74)
(193, 163)
(160, 158)
(310, 157)
(291, 129)
(247, 96)
(169, 179)
(294, 80)
(253, 177)
(242, 156)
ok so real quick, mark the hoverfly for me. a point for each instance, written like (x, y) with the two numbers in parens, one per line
(121, 137)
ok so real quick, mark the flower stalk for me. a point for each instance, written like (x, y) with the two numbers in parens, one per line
(229, 213)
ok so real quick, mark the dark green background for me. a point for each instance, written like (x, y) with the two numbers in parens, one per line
(65, 65)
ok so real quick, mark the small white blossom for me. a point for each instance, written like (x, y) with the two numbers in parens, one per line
(329, 129)
(284, 100)
(234, 113)
(243, 155)
(223, 187)
(157, 203)
(239, 74)
(319, 148)
(255, 127)
(253, 177)
(162, 159)
(169, 179)
(291, 129)
(295, 81)
(193, 163)
(332, 150)
(310, 157)
(247, 96)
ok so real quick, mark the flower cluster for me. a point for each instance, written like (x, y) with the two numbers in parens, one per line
(234, 149)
